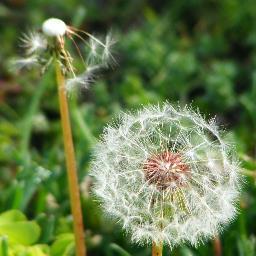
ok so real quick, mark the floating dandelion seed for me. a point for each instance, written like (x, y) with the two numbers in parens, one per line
(167, 175)
(41, 49)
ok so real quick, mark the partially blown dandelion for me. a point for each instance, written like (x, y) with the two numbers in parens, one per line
(47, 46)
(41, 46)
(167, 175)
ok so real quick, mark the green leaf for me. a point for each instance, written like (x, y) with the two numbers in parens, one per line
(22, 232)
(116, 248)
(38, 250)
(35, 250)
(185, 251)
(15, 226)
(3, 246)
(63, 245)
(12, 216)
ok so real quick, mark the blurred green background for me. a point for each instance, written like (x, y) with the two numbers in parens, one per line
(183, 51)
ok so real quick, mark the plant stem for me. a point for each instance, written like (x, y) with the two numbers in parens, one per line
(28, 120)
(71, 164)
(217, 246)
(157, 249)
(249, 173)
(85, 131)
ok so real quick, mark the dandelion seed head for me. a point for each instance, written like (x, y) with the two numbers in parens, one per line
(166, 174)
(41, 50)
(54, 27)
(165, 170)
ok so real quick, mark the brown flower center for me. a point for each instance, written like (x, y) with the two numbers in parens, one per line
(166, 170)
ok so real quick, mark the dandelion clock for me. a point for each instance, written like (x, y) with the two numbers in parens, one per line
(167, 175)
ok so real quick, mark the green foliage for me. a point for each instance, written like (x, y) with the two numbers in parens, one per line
(17, 235)
(188, 51)
(64, 245)
(15, 226)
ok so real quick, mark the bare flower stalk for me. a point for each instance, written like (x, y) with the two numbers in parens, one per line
(217, 246)
(71, 164)
(157, 249)
(41, 48)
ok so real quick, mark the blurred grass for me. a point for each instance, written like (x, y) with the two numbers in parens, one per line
(188, 51)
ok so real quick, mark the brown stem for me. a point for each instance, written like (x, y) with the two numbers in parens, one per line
(71, 164)
(217, 246)
(157, 249)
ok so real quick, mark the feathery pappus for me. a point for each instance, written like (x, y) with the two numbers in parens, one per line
(167, 175)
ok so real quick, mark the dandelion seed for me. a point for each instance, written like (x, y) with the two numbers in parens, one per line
(29, 62)
(33, 42)
(107, 55)
(167, 175)
(93, 54)
(84, 80)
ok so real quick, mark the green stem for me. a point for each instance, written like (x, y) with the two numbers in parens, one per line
(85, 130)
(28, 123)
(71, 164)
(157, 249)
(251, 173)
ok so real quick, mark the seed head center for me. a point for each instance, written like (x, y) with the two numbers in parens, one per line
(166, 170)
(54, 27)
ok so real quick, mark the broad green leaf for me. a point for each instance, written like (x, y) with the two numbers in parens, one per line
(21, 232)
(15, 226)
(63, 245)
(12, 216)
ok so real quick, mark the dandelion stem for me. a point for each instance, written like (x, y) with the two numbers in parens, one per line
(157, 249)
(71, 164)
(217, 246)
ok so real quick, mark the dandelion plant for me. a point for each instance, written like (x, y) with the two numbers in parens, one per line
(168, 175)
(48, 46)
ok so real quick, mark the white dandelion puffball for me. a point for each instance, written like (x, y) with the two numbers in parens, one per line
(54, 27)
(167, 175)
